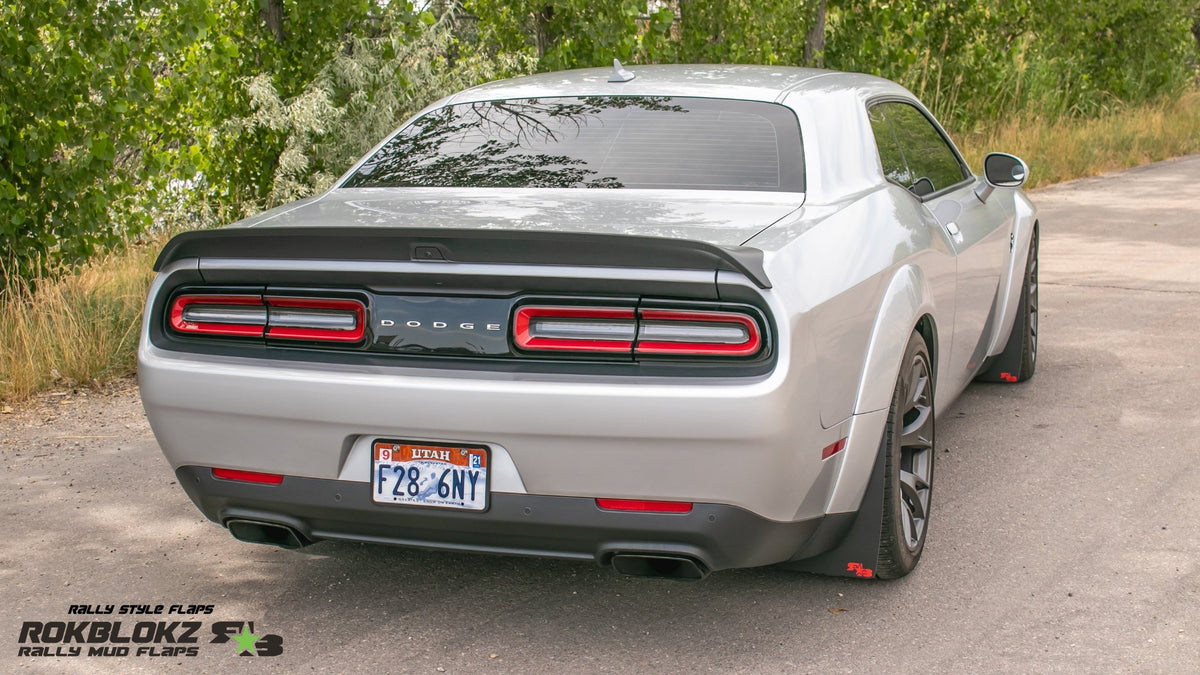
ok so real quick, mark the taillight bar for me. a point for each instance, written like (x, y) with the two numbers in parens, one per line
(228, 315)
(322, 319)
(669, 331)
(588, 329)
(625, 330)
(282, 317)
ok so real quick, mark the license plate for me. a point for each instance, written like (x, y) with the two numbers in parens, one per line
(418, 474)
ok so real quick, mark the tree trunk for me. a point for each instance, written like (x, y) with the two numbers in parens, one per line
(543, 38)
(814, 42)
(271, 13)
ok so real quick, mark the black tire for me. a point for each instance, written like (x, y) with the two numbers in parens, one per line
(908, 451)
(1019, 358)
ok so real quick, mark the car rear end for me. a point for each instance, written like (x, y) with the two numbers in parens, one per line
(616, 409)
(541, 379)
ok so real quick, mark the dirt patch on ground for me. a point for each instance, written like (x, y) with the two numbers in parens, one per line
(72, 418)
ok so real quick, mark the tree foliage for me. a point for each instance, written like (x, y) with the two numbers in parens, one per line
(973, 61)
(115, 116)
(574, 33)
(361, 94)
(79, 83)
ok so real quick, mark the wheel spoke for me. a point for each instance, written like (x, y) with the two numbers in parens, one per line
(922, 383)
(909, 526)
(914, 499)
(911, 488)
(915, 435)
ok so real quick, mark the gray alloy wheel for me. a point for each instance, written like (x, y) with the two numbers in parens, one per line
(908, 450)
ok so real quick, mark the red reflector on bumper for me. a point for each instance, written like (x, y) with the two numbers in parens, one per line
(248, 476)
(644, 505)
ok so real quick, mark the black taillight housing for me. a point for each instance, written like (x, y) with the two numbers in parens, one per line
(517, 332)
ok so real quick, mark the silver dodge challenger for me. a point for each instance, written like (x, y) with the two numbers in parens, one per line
(672, 319)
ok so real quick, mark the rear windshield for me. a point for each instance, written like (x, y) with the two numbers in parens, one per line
(595, 142)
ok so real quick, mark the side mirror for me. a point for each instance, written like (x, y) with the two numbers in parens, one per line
(1001, 170)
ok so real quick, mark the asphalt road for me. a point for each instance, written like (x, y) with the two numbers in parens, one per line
(1065, 531)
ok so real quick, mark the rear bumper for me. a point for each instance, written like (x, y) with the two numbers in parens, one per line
(755, 444)
(717, 536)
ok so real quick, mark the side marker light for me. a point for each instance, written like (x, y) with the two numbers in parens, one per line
(833, 449)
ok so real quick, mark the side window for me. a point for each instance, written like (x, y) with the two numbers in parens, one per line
(894, 166)
(929, 164)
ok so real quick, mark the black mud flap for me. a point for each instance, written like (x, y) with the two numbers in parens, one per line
(858, 552)
(1005, 366)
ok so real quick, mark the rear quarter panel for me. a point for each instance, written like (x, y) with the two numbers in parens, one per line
(836, 270)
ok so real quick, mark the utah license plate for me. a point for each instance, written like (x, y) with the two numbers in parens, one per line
(417, 474)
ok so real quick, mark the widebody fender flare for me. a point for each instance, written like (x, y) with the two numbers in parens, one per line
(1013, 276)
(907, 299)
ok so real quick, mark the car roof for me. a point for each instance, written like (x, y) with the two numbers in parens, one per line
(745, 82)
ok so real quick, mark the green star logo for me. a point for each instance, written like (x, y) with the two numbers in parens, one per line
(246, 640)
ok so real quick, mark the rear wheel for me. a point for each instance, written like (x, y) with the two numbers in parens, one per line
(907, 447)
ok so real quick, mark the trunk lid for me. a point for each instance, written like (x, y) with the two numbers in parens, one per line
(718, 217)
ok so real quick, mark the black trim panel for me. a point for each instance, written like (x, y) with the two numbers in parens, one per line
(720, 536)
(498, 360)
(464, 246)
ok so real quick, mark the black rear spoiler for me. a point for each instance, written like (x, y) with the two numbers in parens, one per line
(463, 246)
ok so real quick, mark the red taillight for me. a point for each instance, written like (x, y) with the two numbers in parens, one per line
(230, 315)
(651, 332)
(687, 332)
(282, 317)
(335, 320)
(248, 476)
(645, 505)
(583, 329)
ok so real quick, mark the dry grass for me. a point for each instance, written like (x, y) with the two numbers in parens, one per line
(73, 329)
(1062, 150)
(82, 327)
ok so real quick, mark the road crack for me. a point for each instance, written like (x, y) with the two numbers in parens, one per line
(1122, 288)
